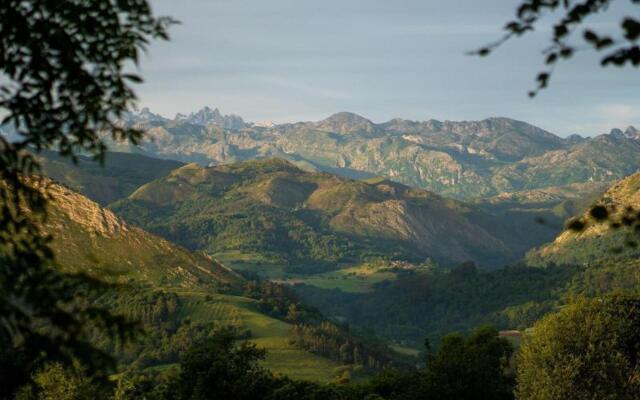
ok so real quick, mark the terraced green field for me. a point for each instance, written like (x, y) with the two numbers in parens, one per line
(268, 333)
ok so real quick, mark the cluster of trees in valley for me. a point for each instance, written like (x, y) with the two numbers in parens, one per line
(430, 304)
(331, 341)
(597, 358)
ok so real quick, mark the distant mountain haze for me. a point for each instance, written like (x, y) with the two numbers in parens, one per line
(119, 176)
(464, 160)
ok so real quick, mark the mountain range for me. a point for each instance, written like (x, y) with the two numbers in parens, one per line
(464, 160)
(339, 240)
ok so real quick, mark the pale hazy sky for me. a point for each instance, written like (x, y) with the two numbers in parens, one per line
(292, 60)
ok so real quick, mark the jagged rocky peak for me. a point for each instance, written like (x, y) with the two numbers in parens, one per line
(616, 132)
(629, 133)
(632, 132)
(575, 139)
(145, 115)
(346, 122)
(405, 126)
(207, 116)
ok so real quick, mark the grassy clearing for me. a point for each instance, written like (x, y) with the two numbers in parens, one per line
(239, 257)
(409, 351)
(355, 279)
(261, 265)
(298, 364)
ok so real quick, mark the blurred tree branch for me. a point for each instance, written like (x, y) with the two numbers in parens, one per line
(620, 50)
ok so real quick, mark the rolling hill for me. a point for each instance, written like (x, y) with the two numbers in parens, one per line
(600, 242)
(92, 239)
(273, 208)
(600, 259)
(121, 174)
(176, 293)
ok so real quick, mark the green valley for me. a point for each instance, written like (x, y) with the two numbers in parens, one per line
(302, 251)
(179, 295)
(372, 254)
(348, 246)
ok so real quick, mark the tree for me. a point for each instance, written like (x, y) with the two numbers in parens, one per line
(145, 386)
(63, 84)
(618, 50)
(218, 368)
(470, 368)
(56, 382)
(463, 368)
(589, 349)
(303, 390)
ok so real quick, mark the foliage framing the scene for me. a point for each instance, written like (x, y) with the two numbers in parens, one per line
(64, 82)
(619, 51)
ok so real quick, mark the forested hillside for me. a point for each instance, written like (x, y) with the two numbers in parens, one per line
(334, 242)
(274, 209)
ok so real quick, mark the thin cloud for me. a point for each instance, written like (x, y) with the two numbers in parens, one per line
(620, 113)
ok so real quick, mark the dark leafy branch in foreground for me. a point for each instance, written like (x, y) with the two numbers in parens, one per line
(619, 50)
(63, 85)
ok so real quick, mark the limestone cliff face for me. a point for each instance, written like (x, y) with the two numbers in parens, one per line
(72, 207)
(91, 239)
